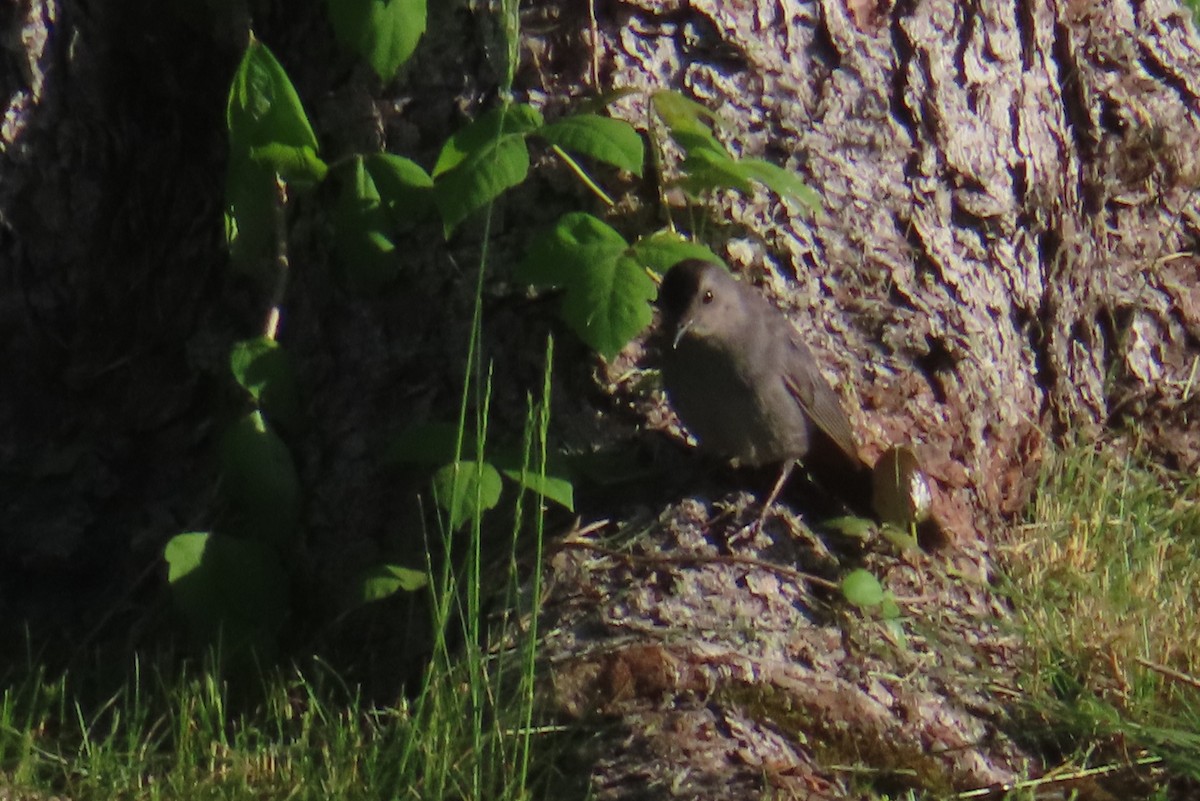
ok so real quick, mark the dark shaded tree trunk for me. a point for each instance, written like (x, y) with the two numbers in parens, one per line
(111, 174)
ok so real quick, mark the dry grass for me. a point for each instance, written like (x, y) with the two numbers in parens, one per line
(1106, 582)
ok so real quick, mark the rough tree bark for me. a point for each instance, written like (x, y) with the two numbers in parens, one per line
(1006, 252)
(111, 165)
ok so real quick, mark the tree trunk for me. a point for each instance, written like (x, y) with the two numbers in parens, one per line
(1005, 251)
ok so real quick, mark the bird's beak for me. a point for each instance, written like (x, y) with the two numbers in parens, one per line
(684, 327)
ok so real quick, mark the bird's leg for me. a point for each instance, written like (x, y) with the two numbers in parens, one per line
(784, 473)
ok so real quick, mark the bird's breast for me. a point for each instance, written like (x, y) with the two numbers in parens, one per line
(736, 407)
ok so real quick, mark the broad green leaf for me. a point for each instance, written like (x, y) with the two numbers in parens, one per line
(684, 114)
(609, 303)
(259, 479)
(184, 553)
(706, 169)
(889, 609)
(561, 255)
(479, 180)
(859, 528)
(291, 163)
(428, 444)
(611, 141)
(693, 143)
(685, 119)
(383, 581)
(384, 32)
(404, 188)
(465, 490)
(433, 443)
(862, 589)
(262, 368)
(552, 488)
(902, 539)
(266, 121)
(269, 134)
(608, 295)
(363, 230)
(664, 249)
(228, 586)
(250, 198)
(263, 106)
(482, 160)
(516, 120)
(781, 182)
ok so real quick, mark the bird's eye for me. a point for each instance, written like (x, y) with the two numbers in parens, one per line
(708, 297)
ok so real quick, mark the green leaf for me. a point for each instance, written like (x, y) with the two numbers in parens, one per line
(694, 143)
(684, 116)
(428, 444)
(479, 180)
(404, 188)
(363, 230)
(514, 121)
(228, 586)
(611, 141)
(664, 249)
(859, 528)
(560, 255)
(262, 368)
(609, 304)
(383, 581)
(608, 295)
(862, 589)
(465, 490)
(384, 32)
(433, 443)
(292, 163)
(709, 165)
(902, 539)
(552, 488)
(269, 135)
(482, 160)
(555, 486)
(260, 481)
(250, 198)
(781, 182)
(889, 609)
(706, 169)
(682, 113)
(266, 121)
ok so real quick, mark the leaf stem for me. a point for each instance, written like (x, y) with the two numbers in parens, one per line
(583, 176)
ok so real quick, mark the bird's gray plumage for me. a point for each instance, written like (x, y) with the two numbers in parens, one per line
(738, 375)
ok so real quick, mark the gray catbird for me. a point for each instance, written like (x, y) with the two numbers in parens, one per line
(745, 385)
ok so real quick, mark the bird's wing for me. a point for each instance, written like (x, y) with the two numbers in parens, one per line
(818, 400)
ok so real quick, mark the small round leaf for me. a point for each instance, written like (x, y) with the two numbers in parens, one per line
(862, 589)
(465, 490)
